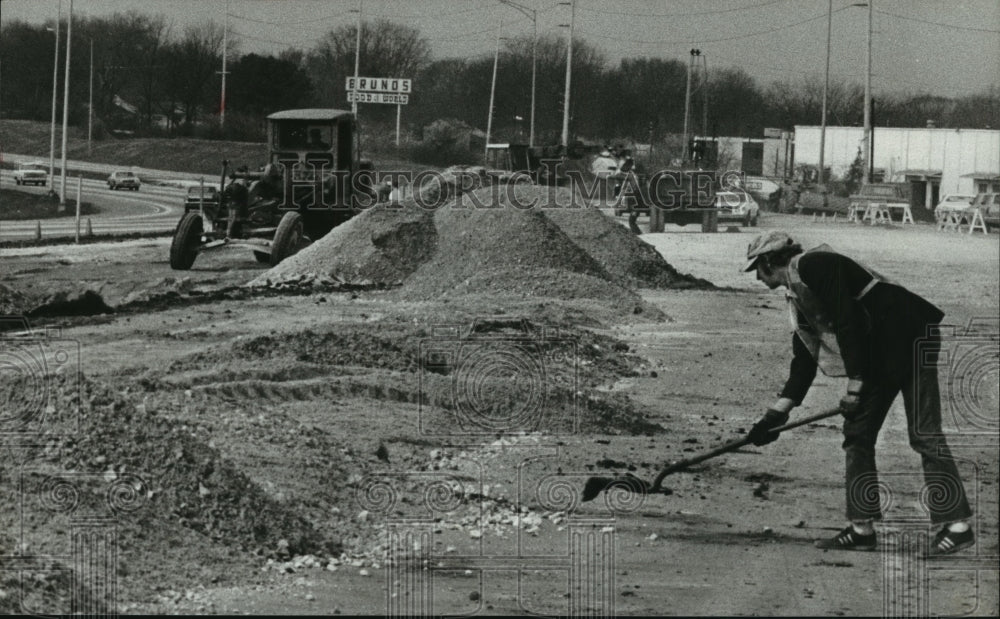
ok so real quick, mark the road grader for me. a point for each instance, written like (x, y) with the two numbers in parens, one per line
(314, 180)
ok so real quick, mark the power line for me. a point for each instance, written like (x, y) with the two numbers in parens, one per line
(935, 23)
(687, 14)
(287, 43)
(268, 22)
(431, 14)
(732, 38)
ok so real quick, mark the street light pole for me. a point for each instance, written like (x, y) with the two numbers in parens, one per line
(69, 48)
(826, 87)
(55, 90)
(90, 102)
(225, 53)
(534, 70)
(704, 104)
(493, 89)
(866, 177)
(569, 67)
(687, 105)
(357, 62)
(533, 14)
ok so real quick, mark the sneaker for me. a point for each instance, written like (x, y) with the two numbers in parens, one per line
(946, 542)
(848, 539)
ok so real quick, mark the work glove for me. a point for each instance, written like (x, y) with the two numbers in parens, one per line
(760, 433)
(850, 404)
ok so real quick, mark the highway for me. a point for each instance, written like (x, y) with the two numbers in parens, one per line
(154, 208)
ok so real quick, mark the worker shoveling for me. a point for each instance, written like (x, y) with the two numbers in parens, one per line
(596, 485)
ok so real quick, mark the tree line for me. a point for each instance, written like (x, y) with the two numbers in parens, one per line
(149, 78)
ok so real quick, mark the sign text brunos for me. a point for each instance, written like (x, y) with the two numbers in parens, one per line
(378, 90)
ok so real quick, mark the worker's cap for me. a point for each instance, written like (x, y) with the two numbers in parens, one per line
(765, 244)
(605, 152)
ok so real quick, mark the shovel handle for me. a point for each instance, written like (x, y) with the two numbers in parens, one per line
(733, 446)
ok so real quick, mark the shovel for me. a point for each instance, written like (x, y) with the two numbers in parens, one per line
(596, 485)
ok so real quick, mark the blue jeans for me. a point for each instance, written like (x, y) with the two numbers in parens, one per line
(944, 496)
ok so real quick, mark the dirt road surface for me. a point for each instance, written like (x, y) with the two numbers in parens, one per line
(287, 453)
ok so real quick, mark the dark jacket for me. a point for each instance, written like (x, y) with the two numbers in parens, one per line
(877, 335)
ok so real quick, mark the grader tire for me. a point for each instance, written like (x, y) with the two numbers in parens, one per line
(184, 247)
(288, 237)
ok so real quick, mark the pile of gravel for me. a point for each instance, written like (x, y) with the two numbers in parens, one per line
(626, 257)
(381, 246)
(487, 241)
(13, 302)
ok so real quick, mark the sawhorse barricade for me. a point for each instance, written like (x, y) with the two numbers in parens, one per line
(877, 213)
(954, 220)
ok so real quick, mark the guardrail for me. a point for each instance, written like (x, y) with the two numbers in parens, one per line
(75, 165)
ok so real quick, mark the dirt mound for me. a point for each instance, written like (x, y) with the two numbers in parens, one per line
(513, 241)
(626, 257)
(13, 302)
(188, 505)
(380, 246)
(488, 370)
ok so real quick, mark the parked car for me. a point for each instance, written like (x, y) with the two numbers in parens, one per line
(737, 205)
(31, 173)
(123, 179)
(193, 200)
(890, 194)
(989, 205)
(954, 202)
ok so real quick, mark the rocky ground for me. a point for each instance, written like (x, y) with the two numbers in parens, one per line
(397, 433)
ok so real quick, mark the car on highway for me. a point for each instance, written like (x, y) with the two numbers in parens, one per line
(123, 179)
(196, 197)
(31, 173)
(737, 205)
(954, 202)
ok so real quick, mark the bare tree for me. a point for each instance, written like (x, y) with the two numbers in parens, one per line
(388, 49)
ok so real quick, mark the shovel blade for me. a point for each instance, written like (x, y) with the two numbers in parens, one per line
(597, 485)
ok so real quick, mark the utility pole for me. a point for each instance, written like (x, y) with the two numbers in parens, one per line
(357, 62)
(225, 53)
(55, 90)
(687, 105)
(533, 14)
(826, 88)
(534, 70)
(493, 89)
(69, 48)
(704, 101)
(569, 68)
(90, 103)
(866, 174)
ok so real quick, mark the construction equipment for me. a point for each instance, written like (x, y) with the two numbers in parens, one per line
(596, 485)
(512, 161)
(670, 196)
(313, 181)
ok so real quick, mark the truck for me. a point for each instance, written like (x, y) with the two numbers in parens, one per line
(890, 194)
(682, 196)
(31, 173)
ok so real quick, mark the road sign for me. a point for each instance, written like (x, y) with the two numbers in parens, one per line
(377, 97)
(379, 84)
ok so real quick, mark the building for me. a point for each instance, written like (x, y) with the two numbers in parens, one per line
(933, 162)
(770, 156)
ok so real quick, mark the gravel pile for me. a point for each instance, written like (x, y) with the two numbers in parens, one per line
(13, 302)
(383, 245)
(193, 507)
(626, 257)
(487, 241)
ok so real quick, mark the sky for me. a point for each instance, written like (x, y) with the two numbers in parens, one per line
(941, 47)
